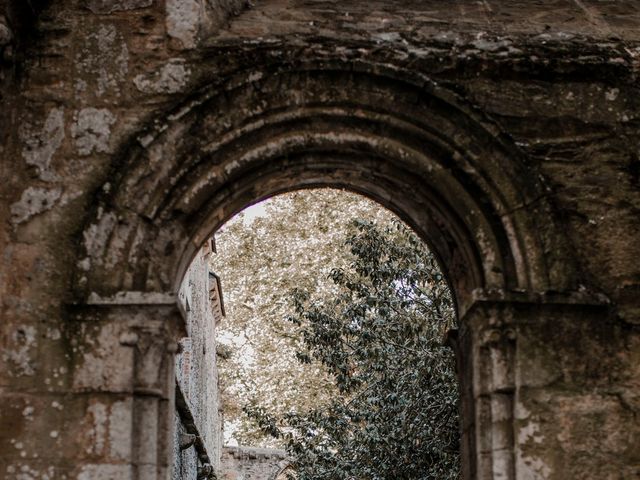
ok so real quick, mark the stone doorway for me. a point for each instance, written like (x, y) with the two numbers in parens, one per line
(463, 189)
(504, 134)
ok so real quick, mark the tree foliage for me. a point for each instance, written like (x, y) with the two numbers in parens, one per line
(380, 339)
(293, 241)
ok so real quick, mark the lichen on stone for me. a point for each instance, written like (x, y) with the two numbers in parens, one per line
(91, 130)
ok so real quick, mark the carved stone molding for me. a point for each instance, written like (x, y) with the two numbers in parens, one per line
(127, 344)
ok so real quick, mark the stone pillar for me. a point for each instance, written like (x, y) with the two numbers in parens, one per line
(487, 352)
(124, 367)
(543, 389)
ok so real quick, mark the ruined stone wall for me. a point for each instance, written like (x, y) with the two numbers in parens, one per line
(196, 373)
(72, 79)
(186, 461)
(91, 254)
(245, 463)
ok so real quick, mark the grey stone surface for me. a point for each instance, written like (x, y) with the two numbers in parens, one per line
(246, 463)
(196, 372)
(505, 132)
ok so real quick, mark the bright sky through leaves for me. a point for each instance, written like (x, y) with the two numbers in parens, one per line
(289, 241)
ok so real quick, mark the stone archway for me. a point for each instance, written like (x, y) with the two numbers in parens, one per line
(388, 133)
(504, 133)
(472, 197)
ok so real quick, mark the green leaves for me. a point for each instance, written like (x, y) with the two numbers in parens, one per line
(380, 339)
(336, 331)
(294, 242)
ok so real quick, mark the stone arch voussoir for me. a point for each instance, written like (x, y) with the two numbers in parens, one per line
(397, 137)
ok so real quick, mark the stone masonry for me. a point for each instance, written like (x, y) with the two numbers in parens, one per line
(504, 131)
(198, 427)
(244, 463)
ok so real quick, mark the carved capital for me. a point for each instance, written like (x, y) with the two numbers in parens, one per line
(152, 352)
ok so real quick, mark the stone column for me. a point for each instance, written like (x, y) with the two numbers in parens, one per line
(486, 362)
(543, 390)
(124, 367)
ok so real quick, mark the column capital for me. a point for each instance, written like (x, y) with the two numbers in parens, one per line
(499, 299)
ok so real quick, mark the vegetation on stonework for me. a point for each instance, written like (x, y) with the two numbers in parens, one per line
(380, 340)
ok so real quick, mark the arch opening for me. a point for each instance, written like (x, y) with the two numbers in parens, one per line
(417, 150)
(315, 226)
(407, 143)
